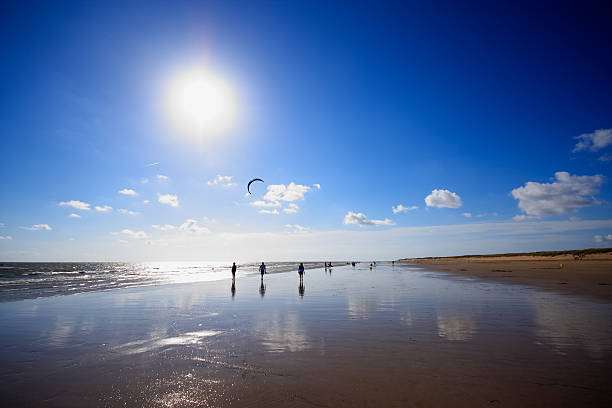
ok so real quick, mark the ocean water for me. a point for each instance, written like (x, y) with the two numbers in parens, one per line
(25, 280)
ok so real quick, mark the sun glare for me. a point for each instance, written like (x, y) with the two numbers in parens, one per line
(201, 103)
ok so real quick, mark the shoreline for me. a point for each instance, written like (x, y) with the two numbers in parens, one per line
(591, 277)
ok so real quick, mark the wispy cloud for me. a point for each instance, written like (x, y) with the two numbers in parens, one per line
(38, 227)
(297, 227)
(130, 233)
(144, 180)
(5, 237)
(266, 204)
(400, 208)
(73, 215)
(467, 215)
(79, 205)
(104, 208)
(190, 226)
(128, 192)
(361, 220)
(167, 227)
(595, 141)
(272, 212)
(603, 238)
(225, 181)
(146, 201)
(127, 212)
(443, 199)
(293, 208)
(524, 217)
(564, 195)
(317, 186)
(161, 177)
(152, 164)
(168, 199)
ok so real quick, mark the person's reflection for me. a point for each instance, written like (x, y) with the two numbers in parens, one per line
(233, 288)
(301, 288)
(262, 289)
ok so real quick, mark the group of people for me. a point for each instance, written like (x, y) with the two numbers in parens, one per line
(262, 270)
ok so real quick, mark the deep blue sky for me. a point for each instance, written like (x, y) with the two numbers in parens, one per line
(379, 103)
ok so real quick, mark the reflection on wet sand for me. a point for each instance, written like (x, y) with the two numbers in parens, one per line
(301, 288)
(233, 288)
(456, 327)
(151, 344)
(283, 333)
(262, 289)
(564, 325)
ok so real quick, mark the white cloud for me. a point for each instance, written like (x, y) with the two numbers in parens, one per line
(191, 226)
(595, 141)
(146, 201)
(524, 217)
(128, 191)
(73, 215)
(567, 194)
(133, 234)
(297, 227)
(317, 186)
(606, 157)
(166, 227)
(467, 215)
(361, 220)
(443, 198)
(104, 208)
(225, 181)
(161, 177)
(168, 199)
(38, 227)
(79, 205)
(6, 237)
(127, 212)
(401, 208)
(265, 203)
(273, 212)
(152, 164)
(603, 238)
(293, 208)
(288, 193)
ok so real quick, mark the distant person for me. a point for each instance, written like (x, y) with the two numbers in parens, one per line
(370, 266)
(234, 271)
(353, 263)
(301, 271)
(330, 265)
(392, 262)
(262, 270)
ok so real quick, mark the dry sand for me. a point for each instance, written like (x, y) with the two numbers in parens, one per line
(591, 276)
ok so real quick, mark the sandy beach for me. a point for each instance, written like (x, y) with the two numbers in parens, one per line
(591, 276)
(394, 336)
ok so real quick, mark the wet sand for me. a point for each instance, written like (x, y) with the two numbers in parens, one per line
(394, 336)
(589, 277)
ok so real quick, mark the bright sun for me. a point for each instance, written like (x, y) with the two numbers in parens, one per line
(201, 103)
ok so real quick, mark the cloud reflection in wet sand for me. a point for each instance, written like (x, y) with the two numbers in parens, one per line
(142, 346)
(456, 327)
(282, 334)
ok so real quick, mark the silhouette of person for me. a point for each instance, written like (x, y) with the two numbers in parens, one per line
(301, 271)
(301, 288)
(262, 269)
(234, 271)
(233, 289)
(262, 288)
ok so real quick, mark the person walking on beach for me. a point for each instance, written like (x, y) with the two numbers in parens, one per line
(262, 269)
(234, 271)
(301, 271)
